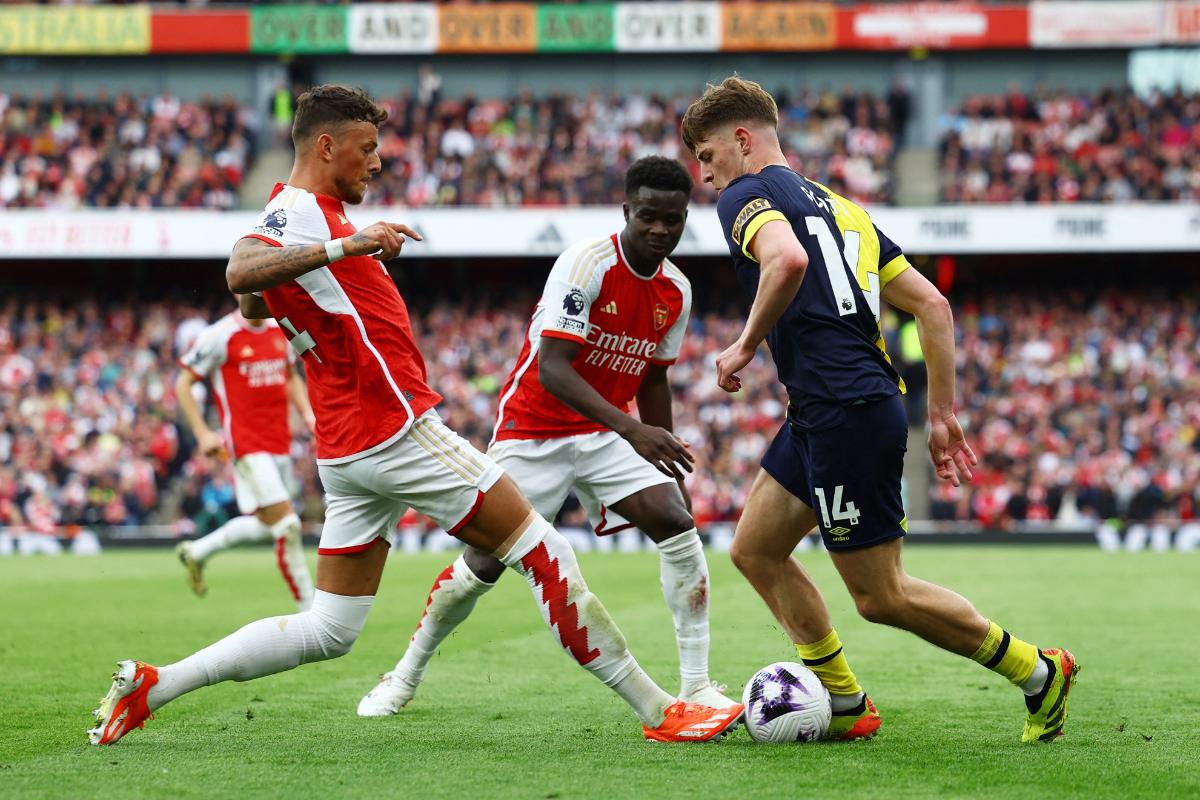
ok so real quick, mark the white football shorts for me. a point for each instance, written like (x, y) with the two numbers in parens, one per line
(261, 480)
(431, 469)
(602, 467)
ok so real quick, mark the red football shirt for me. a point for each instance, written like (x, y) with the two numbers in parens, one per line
(247, 368)
(623, 320)
(366, 377)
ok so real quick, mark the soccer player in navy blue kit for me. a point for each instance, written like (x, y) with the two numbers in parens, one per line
(816, 267)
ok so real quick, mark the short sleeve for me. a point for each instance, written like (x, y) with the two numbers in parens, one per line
(744, 207)
(207, 353)
(571, 288)
(293, 217)
(668, 349)
(891, 259)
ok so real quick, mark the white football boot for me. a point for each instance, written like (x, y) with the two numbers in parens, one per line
(707, 693)
(393, 692)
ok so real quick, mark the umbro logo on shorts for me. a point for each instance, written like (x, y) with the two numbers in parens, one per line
(840, 531)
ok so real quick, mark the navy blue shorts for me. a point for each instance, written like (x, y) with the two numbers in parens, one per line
(850, 474)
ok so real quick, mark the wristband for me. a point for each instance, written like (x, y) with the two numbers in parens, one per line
(333, 249)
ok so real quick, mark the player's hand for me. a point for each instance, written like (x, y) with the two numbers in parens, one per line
(949, 450)
(735, 358)
(666, 451)
(382, 240)
(310, 422)
(209, 443)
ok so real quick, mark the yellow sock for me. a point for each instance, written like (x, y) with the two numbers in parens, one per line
(826, 659)
(1007, 655)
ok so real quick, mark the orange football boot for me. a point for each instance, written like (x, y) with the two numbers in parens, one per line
(692, 722)
(124, 707)
(860, 722)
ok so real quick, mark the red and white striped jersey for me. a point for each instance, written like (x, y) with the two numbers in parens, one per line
(622, 319)
(366, 377)
(247, 368)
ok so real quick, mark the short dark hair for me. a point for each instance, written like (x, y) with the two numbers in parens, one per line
(326, 109)
(657, 172)
(735, 100)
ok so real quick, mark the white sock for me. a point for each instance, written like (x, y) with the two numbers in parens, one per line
(684, 573)
(239, 530)
(579, 620)
(289, 555)
(451, 600)
(844, 702)
(268, 646)
(1037, 681)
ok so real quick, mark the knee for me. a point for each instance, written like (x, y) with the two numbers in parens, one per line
(483, 565)
(879, 607)
(670, 523)
(748, 560)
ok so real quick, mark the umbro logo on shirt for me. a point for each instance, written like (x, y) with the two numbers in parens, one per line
(611, 308)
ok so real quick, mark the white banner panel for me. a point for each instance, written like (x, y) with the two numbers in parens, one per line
(392, 28)
(466, 232)
(1096, 23)
(663, 27)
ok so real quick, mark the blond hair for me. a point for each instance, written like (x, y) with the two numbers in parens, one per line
(735, 100)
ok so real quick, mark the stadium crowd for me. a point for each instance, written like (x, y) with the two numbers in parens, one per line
(1074, 407)
(122, 151)
(1110, 147)
(556, 149)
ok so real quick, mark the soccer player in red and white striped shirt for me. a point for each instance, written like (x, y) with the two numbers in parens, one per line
(380, 446)
(610, 321)
(253, 376)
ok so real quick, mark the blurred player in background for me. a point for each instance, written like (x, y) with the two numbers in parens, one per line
(816, 267)
(611, 319)
(253, 375)
(381, 446)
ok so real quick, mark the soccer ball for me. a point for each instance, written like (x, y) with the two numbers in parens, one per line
(786, 702)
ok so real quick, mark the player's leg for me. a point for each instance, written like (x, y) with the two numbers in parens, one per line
(358, 526)
(275, 483)
(500, 521)
(532, 463)
(858, 466)
(886, 594)
(660, 512)
(772, 525)
(234, 533)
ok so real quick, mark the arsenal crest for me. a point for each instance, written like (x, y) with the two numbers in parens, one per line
(661, 312)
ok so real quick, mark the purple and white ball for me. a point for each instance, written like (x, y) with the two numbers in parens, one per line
(786, 702)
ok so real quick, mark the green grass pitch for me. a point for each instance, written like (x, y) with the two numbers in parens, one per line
(503, 713)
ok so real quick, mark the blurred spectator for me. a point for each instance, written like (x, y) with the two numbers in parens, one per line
(122, 152)
(1111, 147)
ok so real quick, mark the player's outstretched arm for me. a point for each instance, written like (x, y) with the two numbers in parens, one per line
(652, 442)
(256, 266)
(782, 261)
(911, 292)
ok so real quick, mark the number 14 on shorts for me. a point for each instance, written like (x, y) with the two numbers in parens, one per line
(841, 513)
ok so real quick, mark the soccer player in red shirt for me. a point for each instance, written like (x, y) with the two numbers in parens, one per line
(253, 375)
(380, 446)
(610, 322)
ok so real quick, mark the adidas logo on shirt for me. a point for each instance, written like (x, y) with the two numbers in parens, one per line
(611, 308)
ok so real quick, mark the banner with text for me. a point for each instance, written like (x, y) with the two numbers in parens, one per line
(74, 30)
(298, 29)
(1183, 23)
(778, 26)
(1096, 23)
(936, 26)
(975, 229)
(667, 27)
(487, 28)
(575, 28)
(393, 28)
